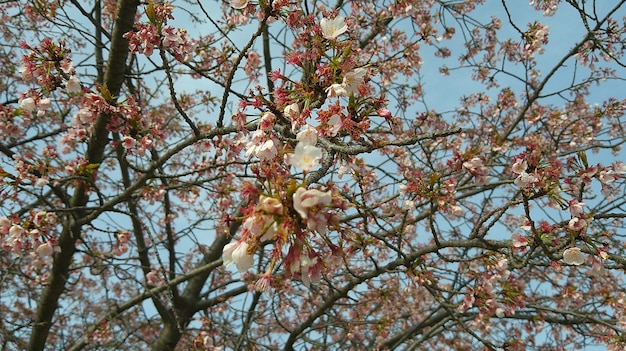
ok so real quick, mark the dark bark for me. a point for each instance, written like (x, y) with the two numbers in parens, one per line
(59, 274)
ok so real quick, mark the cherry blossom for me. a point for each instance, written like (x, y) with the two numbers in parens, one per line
(524, 180)
(354, 160)
(237, 253)
(353, 79)
(308, 203)
(28, 104)
(307, 136)
(45, 250)
(306, 157)
(238, 4)
(573, 256)
(73, 85)
(576, 207)
(292, 111)
(335, 124)
(331, 29)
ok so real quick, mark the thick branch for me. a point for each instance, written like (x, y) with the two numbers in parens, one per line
(59, 274)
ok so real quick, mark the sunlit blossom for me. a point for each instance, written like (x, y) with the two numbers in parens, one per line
(44, 104)
(573, 256)
(335, 123)
(525, 179)
(28, 104)
(308, 135)
(237, 253)
(292, 111)
(306, 157)
(577, 224)
(519, 166)
(336, 90)
(267, 150)
(519, 240)
(45, 250)
(128, 142)
(331, 29)
(353, 79)
(73, 85)
(308, 202)
(239, 4)
(576, 208)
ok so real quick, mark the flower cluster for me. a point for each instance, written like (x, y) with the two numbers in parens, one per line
(146, 37)
(524, 179)
(32, 234)
(264, 145)
(48, 64)
(476, 167)
(349, 85)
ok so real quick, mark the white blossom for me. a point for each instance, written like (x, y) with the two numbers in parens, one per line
(331, 29)
(238, 4)
(573, 256)
(306, 157)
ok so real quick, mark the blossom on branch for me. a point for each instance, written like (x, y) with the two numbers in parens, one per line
(308, 204)
(353, 79)
(307, 136)
(73, 85)
(525, 179)
(331, 29)
(306, 157)
(573, 256)
(238, 4)
(237, 253)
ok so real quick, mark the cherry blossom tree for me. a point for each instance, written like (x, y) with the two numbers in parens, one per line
(312, 175)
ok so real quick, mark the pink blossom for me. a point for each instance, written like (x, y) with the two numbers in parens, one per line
(292, 111)
(386, 114)
(5, 224)
(519, 166)
(267, 121)
(331, 29)
(519, 240)
(238, 4)
(271, 205)
(171, 39)
(153, 278)
(500, 312)
(606, 177)
(573, 256)
(335, 124)
(73, 85)
(619, 167)
(576, 208)
(237, 253)
(45, 250)
(577, 224)
(476, 167)
(353, 79)
(28, 104)
(307, 267)
(524, 179)
(267, 150)
(41, 182)
(336, 90)
(308, 203)
(44, 104)
(307, 136)
(128, 142)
